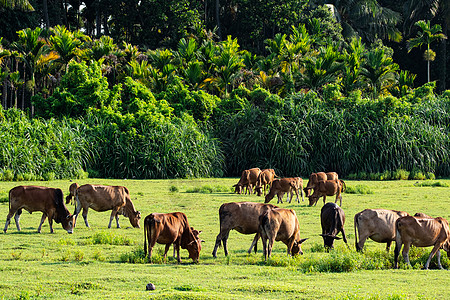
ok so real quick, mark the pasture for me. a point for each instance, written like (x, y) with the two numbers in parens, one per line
(102, 263)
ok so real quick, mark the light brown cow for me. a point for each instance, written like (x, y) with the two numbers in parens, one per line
(328, 188)
(49, 201)
(421, 232)
(280, 224)
(376, 224)
(314, 179)
(242, 217)
(248, 180)
(282, 186)
(298, 182)
(265, 179)
(102, 198)
(168, 229)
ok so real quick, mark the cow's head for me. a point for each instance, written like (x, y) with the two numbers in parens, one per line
(238, 188)
(194, 246)
(258, 190)
(297, 247)
(312, 200)
(72, 190)
(446, 247)
(68, 223)
(307, 191)
(268, 198)
(134, 217)
(328, 240)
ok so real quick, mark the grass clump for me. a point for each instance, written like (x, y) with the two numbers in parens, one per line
(137, 256)
(359, 189)
(173, 189)
(110, 239)
(432, 184)
(209, 189)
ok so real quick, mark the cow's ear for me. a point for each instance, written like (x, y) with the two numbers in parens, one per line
(336, 237)
(301, 241)
(202, 241)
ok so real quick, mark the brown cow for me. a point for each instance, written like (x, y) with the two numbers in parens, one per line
(328, 188)
(282, 186)
(241, 216)
(102, 198)
(314, 179)
(298, 181)
(248, 180)
(421, 232)
(168, 229)
(376, 224)
(280, 224)
(265, 179)
(49, 201)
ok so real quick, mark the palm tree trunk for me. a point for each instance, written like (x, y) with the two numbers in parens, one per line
(45, 11)
(442, 69)
(219, 29)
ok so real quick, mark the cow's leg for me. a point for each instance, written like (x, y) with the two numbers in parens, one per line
(17, 218)
(117, 220)
(324, 199)
(298, 199)
(264, 242)
(254, 243)
(338, 197)
(113, 214)
(220, 237)
(85, 212)
(398, 247)
(44, 216)
(405, 253)
(177, 246)
(280, 197)
(388, 246)
(301, 192)
(289, 245)
(270, 245)
(8, 220)
(225, 243)
(433, 252)
(166, 250)
(360, 245)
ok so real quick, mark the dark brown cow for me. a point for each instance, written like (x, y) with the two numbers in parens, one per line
(282, 186)
(332, 219)
(241, 216)
(280, 224)
(314, 179)
(421, 232)
(328, 188)
(102, 198)
(376, 224)
(168, 229)
(265, 179)
(49, 201)
(248, 180)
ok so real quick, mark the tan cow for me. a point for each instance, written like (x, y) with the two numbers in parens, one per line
(242, 217)
(376, 224)
(314, 179)
(282, 186)
(280, 224)
(168, 229)
(248, 180)
(49, 201)
(102, 198)
(421, 232)
(328, 188)
(265, 179)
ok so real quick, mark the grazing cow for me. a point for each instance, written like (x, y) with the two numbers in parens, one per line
(376, 224)
(282, 186)
(280, 224)
(332, 218)
(49, 201)
(421, 232)
(248, 180)
(328, 188)
(314, 179)
(242, 217)
(102, 198)
(264, 178)
(196, 234)
(168, 229)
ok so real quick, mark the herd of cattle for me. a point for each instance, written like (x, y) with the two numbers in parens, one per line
(266, 221)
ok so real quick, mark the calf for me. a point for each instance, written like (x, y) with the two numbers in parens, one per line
(421, 232)
(376, 224)
(282, 186)
(280, 224)
(248, 180)
(328, 188)
(241, 216)
(332, 219)
(314, 179)
(265, 178)
(168, 229)
(49, 201)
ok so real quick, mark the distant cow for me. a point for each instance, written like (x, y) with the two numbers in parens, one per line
(248, 180)
(102, 198)
(168, 229)
(314, 179)
(242, 217)
(332, 218)
(328, 188)
(421, 232)
(376, 224)
(282, 186)
(265, 179)
(280, 224)
(49, 201)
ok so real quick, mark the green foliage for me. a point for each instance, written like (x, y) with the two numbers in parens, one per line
(358, 189)
(208, 189)
(109, 238)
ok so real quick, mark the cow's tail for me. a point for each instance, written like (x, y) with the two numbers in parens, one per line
(356, 225)
(9, 198)
(145, 237)
(148, 225)
(344, 186)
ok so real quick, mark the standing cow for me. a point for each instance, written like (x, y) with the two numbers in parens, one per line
(102, 198)
(284, 186)
(421, 232)
(376, 224)
(332, 219)
(314, 179)
(328, 188)
(280, 224)
(49, 201)
(168, 229)
(242, 217)
(265, 179)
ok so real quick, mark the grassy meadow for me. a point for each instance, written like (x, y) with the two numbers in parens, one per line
(102, 263)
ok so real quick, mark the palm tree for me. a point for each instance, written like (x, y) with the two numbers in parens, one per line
(426, 37)
(16, 4)
(65, 43)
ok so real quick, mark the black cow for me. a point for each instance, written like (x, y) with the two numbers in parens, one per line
(332, 218)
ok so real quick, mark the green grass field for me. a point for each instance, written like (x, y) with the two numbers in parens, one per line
(90, 264)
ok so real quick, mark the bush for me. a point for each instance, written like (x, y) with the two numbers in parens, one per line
(400, 174)
(358, 189)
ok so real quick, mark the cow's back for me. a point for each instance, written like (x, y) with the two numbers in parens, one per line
(379, 223)
(33, 198)
(242, 216)
(102, 197)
